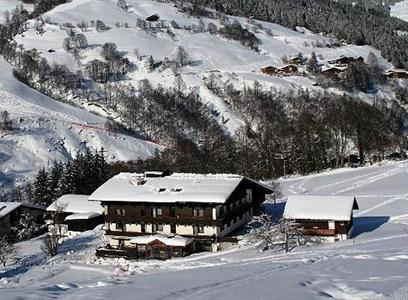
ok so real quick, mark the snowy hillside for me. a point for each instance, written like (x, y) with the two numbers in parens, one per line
(230, 61)
(10, 5)
(400, 10)
(46, 130)
(371, 266)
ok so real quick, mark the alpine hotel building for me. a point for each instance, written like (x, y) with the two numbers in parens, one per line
(202, 208)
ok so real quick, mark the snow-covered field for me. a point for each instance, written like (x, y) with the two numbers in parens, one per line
(373, 265)
(46, 130)
(400, 10)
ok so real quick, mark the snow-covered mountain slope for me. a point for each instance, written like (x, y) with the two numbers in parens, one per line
(10, 5)
(46, 130)
(371, 266)
(227, 59)
(400, 10)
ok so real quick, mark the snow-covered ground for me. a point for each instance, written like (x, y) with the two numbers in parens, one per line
(46, 130)
(400, 10)
(373, 265)
(10, 5)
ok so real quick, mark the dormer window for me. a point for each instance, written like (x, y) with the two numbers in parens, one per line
(161, 190)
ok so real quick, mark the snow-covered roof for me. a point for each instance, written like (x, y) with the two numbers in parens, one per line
(169, 240)
(8, 207)
(177, 187)
(320, 207)
(83, 216)
(76, 204)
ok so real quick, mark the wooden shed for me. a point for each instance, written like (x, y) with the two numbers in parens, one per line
(326, 216)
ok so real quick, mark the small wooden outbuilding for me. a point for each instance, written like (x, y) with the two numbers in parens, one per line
(74, 214)
(162, 246)
(326, 216)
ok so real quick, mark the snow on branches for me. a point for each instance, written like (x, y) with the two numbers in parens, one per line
(268, 233)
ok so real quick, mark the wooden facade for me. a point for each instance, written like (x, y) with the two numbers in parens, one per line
(205, 222)
(13, 217)
(326, 228)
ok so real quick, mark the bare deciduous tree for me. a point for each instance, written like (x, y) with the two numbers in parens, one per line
(7, 250)
(270, 234)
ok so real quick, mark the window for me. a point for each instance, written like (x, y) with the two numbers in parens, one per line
(141, 248)
(172, 211)
(173, 228)
(120, 211)
(119, 226)
(156, 211)
(198, 229)
(221, 211)
(198, 212)
(142, 228)
(159, 227)
(248, 196)
(154, 228)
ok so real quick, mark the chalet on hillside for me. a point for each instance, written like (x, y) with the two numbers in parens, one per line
(329, 217)
(270, 70)
(345, 60)
(203, 208)
(396, 74)
(296, 60)
(289, 69)
(74, 214)
(153, 18)
(11, 212)
(333, 72)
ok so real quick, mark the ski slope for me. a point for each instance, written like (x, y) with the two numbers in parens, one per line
(373, 265)
(46, 130)
(400, 10)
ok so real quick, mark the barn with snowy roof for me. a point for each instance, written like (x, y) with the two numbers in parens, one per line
(205, 208)
(73, 214)
(327, 216)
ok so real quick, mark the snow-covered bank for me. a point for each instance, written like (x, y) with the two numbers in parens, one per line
(371, 266)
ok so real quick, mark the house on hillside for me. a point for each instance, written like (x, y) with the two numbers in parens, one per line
(153, 18)
(396, 74)
(11, 212)
(344, 61)
(270, 70)
(73, 214)
(203, 208)
(288, 70)
(333, 72)
(296, 60)
(329, 217)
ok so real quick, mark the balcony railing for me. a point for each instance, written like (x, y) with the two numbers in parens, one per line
(126, 252)
(320, 232)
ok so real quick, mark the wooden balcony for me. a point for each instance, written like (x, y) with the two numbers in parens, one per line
(126, 252)
(320, 232)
